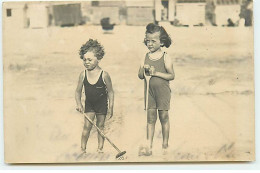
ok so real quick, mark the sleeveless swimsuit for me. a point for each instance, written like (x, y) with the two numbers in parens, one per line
(159, 90)
(96, 96)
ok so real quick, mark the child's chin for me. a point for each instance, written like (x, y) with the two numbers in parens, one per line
(89, 68)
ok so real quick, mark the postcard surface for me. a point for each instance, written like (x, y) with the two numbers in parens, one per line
(128, 81)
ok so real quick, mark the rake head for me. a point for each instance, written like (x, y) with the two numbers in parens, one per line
(119, 155)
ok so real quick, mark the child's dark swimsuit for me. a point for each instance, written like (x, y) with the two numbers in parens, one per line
(96, 96)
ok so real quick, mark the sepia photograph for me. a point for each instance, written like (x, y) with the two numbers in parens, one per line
(128, 81)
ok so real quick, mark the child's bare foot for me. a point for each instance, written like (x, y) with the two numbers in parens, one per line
(165, 149)
(148, 152)
(100, 151)
(145, 151)
(82, 152)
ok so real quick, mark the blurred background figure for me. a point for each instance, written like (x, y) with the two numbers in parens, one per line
(230, 23)
(246, 12)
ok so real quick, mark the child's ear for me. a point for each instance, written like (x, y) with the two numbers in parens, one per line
(145, 41)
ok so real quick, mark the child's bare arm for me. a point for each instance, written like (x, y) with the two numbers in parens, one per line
(141, 73)
(170, 75)
(141, 69)
(110, 92)
(78, 93)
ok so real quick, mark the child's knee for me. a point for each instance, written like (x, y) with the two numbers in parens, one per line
(100, 125)
(164, 117)
(151, 119)
(85, 131)
(87, 127)
(152, 116)
(164, 120)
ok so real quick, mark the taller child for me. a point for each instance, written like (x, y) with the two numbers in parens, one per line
(158, 65)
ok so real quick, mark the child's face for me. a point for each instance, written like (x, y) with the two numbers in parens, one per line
(90, 61)
(153, 41)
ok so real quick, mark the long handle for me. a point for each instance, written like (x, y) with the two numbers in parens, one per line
(101, 133)
(147, 90)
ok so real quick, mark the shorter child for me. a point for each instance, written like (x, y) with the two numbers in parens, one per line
(98, 91)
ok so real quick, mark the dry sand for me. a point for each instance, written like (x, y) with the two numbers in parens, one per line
(212, 106)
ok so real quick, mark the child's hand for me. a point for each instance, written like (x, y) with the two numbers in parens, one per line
(147, 69)
(80, 109)
(152, 71)
(109, 113)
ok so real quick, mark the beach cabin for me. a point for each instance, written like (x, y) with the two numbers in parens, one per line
(191, 12)
(227, 9)
(66, 13)
(140, 12)
(26, 14)
(15, 15)
(94, 11)
(187, 12)
(38, 15)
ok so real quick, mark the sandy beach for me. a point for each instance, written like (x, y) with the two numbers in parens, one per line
(212, 101)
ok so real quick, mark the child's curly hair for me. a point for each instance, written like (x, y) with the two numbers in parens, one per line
(94, 46)
(164, 37)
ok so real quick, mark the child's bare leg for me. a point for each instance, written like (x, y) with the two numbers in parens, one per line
(100, 124)
(164, 119)
(86, 130)
(151, 120)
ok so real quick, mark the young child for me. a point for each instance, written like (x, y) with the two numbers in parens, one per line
(159, 66)
(98, 91)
